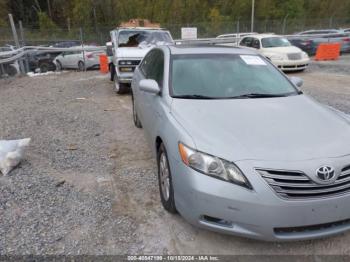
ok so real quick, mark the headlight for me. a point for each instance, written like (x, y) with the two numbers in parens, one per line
(276, 57)
(212, 166)
(304, 55)
(128, 62)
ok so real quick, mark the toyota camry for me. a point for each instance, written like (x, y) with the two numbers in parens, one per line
(240, 149)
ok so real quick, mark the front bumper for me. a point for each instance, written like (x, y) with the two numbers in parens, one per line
(291, 65)
(261, 214)
(125, 77)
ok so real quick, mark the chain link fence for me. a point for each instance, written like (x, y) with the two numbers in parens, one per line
(99, 34)
(31, 35)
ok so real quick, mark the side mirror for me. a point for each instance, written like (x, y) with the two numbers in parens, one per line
(149, 86)
(297, 81)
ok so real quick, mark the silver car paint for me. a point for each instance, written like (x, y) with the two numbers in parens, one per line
(291, 133)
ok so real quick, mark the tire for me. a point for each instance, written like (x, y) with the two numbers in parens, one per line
(11, 70)
(120, 88)
(81, 66)
(135, 117)
(58, 65)
(166, 189)
(112, 71)
(44, 67)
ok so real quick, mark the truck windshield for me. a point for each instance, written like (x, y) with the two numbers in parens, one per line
(228, 76)
(136, 38)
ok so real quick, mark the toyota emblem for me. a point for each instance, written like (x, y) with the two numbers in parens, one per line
(325, 173)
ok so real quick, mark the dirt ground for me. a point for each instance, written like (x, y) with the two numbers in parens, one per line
(84, 137)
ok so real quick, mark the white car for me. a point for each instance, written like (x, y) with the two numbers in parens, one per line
(75, 59)
(239, 35)
(279, 50)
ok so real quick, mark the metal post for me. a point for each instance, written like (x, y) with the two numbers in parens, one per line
(2, 70)
(23, 44)
(331, 22)
(252, 19)
(15, 37)
(284, 24)
(82, 45)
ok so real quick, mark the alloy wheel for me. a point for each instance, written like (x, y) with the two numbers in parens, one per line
(164, 176)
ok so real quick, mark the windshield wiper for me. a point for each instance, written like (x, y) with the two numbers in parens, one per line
(194, 97)
(261, 95)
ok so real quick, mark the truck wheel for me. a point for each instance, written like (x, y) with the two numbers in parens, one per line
(112, 71)
(120, 88)
(165, 181)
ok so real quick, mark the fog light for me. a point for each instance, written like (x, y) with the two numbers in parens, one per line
(218, 221)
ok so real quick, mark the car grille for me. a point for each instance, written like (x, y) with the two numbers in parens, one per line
(312, 228)
(294, 56)
(297, 185)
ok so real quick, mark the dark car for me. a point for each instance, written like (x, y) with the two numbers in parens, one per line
(309, 40)
(42, 61)
(307, 45)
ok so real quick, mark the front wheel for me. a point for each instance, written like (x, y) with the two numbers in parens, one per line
(81, 66)
(58, 66)
(165, 181)
(112, 71)
(44, 67)
(136, 119)
(120, 88)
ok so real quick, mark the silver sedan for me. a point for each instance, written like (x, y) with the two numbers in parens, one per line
(240, 149)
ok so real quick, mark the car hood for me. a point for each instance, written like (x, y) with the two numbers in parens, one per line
(282, 50)
(132, 52)
(293, 128)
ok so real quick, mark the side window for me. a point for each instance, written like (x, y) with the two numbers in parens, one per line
(247, 41)
(243, 42)
(153, 66)
(256, 43)
(157, 70)
(146, 64)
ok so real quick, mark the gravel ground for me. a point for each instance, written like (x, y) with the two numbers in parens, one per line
(88, 182)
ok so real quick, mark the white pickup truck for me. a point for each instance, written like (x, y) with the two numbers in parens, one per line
(129, 46)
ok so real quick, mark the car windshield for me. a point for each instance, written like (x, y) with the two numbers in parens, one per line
(274, 42)
(136, 38)
(212, 76)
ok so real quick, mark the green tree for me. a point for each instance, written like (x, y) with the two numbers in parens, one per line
(45, 22)
(3, 12)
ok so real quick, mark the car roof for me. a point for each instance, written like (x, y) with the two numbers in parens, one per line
(141, 29)
(260, 36)
(208, 49)
(236, 34)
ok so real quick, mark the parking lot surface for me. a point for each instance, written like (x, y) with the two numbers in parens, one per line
(88, 184)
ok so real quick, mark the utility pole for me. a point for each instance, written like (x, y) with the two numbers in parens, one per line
(49, 8)
(15, 37)
(82, 45)
(21, 31)
(252, 19)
